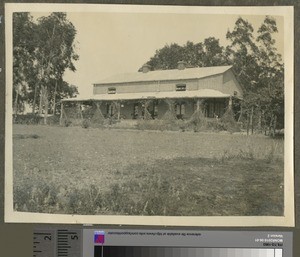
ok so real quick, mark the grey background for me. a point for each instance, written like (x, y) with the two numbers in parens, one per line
(16, 239)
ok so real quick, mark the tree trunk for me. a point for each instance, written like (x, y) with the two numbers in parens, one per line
(251, 120)
(16, 103)
(259, 126)
(54, 98)
(41, 102)
(274, 125)
(241, 113)
(61, 113)
(248, 121)
(46, 105)
(270, 125)
(34, 99)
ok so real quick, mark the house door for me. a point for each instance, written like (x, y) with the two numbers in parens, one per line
(153, 109)
(180, 110)
(110, 111)
(135, 111)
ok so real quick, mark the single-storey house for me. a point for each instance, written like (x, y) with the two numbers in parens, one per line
(150, 94)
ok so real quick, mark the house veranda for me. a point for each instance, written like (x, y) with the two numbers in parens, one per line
(155, 94)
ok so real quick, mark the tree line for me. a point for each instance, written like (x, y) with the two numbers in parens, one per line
(256, 62)
(43, 50)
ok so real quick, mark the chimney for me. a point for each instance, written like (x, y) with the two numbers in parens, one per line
(181, 65)
(146, 68)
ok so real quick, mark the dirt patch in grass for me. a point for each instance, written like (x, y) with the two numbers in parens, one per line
(101, 171)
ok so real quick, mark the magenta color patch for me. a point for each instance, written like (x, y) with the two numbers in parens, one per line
(99, 237)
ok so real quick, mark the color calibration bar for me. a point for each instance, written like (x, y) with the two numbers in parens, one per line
(135, 251)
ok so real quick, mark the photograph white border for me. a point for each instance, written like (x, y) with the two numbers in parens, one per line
(287, 220)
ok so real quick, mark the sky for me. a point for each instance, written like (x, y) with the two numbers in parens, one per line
(109, 43)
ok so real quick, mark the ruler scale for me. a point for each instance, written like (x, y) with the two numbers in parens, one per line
(44, 243)
(69, 243)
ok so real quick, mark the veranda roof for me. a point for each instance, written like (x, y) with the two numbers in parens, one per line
(165, 75)
(202, 93)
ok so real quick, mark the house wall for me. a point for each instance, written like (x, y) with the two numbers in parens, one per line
(212, 82)
(225, 83)
(230, 84)
(153, 86)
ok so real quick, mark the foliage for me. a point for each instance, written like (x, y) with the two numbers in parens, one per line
(229, 121)
(198, 121)
(42, 50)
(256, 63)
(208, 53)
(259, 69)
(162, 125)
(23, 58)
(29, 119)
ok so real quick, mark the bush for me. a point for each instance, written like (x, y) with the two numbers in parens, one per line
(86, 123)
(229, 121)
(29, 119)
(53, 120)
(162, 125)
(216, 125)
(197, 121)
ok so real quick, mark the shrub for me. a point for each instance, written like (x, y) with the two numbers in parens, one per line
(97, 117)
(216, 125)
(53, 120)
(162, 125)
(29, 119)
(86, 123)
(197, 122)
(229, 121)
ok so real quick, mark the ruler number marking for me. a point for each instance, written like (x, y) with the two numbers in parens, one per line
(47, 238)
(75, 237)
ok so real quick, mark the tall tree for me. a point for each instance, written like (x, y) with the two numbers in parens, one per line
(167, 57)
(242, 53)
(23, 49)
(258, 67)
(54, 53)
(271, 88)
(43, 51)
(208, 53)
(214, 54)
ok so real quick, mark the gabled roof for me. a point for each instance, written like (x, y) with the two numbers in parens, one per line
(165, 75)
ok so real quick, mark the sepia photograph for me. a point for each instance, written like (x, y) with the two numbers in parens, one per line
(149, 115)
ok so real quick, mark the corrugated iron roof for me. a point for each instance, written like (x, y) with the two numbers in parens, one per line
(165, 75)
(202, 93)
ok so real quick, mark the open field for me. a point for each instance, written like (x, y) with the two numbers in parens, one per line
(103, 171)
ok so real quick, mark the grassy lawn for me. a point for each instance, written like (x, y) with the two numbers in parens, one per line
(102, 171)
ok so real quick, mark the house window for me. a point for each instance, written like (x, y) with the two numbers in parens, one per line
(111, 90)
(181, 87)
